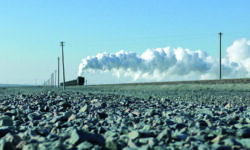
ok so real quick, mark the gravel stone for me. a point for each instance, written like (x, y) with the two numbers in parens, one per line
(112, 145)
(6, 121)
(78, 136)
(32, 146)
(34, 116)
(4, 131)
(166, 133)
(85, 146)
(133, 135)
(245, 142)
(84, 108)
(244, 133)
(5, 145)
(102, 115)
(14, 139)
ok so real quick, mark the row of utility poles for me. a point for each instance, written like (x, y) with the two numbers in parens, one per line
(52, 82)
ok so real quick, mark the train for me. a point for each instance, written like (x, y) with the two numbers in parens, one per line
(78, 81)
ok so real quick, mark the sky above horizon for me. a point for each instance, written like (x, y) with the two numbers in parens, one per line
(31, 32)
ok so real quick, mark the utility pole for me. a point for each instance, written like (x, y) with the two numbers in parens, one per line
(52, 79)
(55, 78)
(63, 66)
(220, 57)
(58, 72)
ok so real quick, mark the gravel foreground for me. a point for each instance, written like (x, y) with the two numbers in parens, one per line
(148, 117)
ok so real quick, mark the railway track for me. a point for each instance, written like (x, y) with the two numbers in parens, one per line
(222, 81)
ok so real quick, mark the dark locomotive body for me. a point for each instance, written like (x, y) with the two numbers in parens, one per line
(79, 81)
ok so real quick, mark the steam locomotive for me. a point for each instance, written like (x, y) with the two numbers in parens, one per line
(78, 81)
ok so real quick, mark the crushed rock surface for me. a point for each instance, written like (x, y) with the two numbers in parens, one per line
(108, 117)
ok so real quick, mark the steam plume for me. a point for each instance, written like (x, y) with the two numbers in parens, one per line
(163, 64)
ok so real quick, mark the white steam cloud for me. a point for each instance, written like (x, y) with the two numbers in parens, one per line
(166, 64)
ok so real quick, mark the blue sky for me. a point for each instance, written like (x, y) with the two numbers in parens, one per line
(30, 31)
